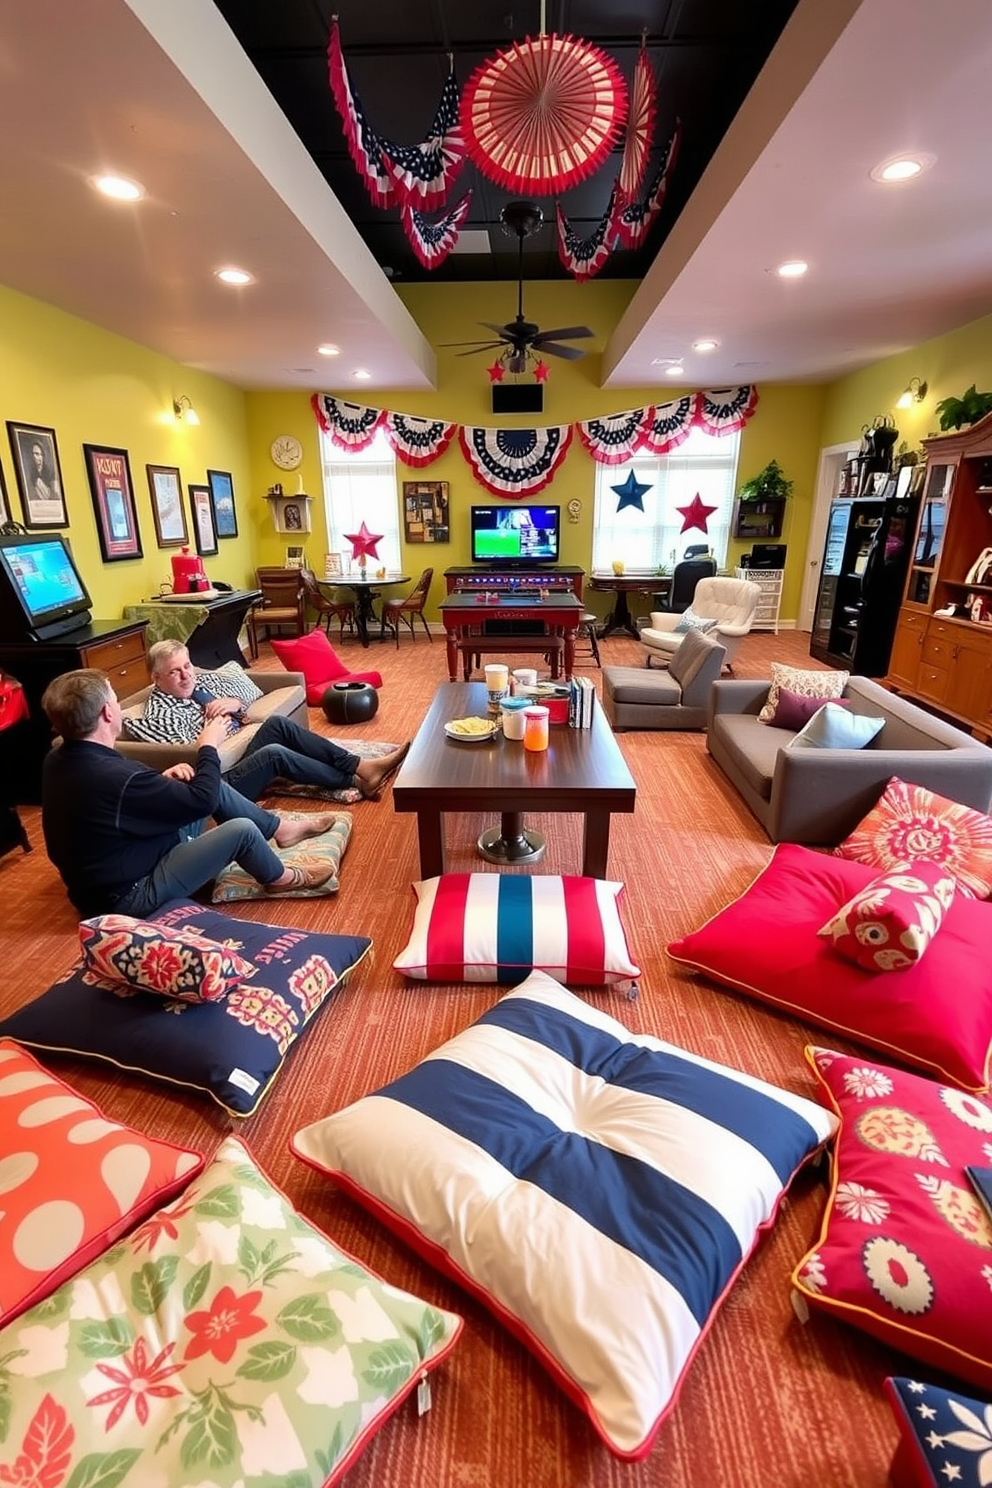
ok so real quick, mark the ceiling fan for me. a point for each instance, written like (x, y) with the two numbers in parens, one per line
(520, 338)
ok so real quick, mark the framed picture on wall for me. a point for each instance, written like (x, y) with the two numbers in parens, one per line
(4, 503)
(222, 495)
(425, 511)
(113, 502)
(167, 505)
(39, 474)
(202, 508)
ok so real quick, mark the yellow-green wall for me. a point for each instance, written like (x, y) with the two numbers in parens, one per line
(93, 387)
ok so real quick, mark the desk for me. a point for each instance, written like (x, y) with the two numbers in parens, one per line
(581, 771)
(518, 622)
(363, 590)
(620, 585)
(209, 628)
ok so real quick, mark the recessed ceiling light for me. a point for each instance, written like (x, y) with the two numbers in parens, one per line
(328, 350)
(902, 167)
(674, 370)
(793, 268)
(234, 276)
(706, 344)
(118, 188)
(360, 375)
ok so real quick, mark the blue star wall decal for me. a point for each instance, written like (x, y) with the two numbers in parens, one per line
(631, 493)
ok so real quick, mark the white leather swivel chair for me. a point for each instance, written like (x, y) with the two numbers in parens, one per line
(732, 603)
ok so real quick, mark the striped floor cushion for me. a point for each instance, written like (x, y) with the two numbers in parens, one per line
(599, 1190)
(498, 927)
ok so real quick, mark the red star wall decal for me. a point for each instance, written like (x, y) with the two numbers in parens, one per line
(695, 514)
(542, 372)
(496, 372)
(364, 543)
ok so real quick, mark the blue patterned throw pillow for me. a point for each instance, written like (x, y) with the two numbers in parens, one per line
(944, 1436)
(689, 620)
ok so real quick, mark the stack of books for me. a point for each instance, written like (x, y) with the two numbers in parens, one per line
(580, 699)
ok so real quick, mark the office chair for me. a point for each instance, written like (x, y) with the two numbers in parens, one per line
(697, 550)
(685, 577)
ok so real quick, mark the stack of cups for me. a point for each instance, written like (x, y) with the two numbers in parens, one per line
(497, 685)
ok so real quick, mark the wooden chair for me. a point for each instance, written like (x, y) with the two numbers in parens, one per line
(343, 611)
(395, 609)
(281, 605)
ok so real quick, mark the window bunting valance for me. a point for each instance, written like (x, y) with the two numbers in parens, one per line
(521, 462)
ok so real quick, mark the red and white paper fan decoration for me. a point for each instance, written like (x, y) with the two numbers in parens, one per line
(640, 131)
(544, 115)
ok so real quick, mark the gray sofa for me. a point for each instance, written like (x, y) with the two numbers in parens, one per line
(818, 796)
(282, 692)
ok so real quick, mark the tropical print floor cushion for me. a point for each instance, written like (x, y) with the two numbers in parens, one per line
(909, 822)
(905, 1251)
(232, 1049)
(600, 1190)
(226, 1342)
(328, 849)
(71, 1180)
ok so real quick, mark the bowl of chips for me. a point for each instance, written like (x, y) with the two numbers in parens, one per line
(470, 730)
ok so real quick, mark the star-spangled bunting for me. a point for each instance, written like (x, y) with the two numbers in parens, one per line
(418, 441)
(695, 514)
(364, 544)
(631, 493)
(613, 439)
(433, 241)
(515, 462)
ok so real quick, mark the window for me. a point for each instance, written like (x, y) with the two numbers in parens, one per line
(359, 487)
(705, 464)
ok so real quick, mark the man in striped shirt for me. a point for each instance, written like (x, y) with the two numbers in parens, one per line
(182, 700)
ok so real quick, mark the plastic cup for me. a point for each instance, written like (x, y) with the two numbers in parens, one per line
(497, 676)
(536, 731)
(525, 676)
(512, 710)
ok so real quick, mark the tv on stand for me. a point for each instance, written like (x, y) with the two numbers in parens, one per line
(517, 535)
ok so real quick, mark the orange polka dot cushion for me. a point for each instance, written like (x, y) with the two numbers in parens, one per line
(905, 1250)
(71, 1181)
(910, 822)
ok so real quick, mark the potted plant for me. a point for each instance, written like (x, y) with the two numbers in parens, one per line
(770, 484)
(954, 413)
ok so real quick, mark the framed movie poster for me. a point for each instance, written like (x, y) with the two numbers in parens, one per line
(113, 502)
(425, 511)
(39, 474)
(222, 495)
(204, 531)
(167, 505)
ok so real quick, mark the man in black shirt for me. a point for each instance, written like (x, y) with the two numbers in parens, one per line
(127, 839)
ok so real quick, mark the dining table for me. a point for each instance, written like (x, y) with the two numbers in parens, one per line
(364, 590)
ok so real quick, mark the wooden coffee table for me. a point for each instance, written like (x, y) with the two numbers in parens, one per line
(582, 771)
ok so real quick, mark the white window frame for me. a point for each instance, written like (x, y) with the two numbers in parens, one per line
(646, 541)
(361, 486)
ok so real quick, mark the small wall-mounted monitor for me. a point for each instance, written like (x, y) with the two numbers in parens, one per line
(517, 534)
(42, 594)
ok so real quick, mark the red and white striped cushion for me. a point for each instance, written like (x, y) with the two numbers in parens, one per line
(493, 927)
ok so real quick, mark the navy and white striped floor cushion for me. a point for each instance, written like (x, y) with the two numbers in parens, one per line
(599, 1190)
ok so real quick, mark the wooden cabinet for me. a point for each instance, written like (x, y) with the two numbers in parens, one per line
(769, 581)
(122, 656)
(943, 646)
(760, 519)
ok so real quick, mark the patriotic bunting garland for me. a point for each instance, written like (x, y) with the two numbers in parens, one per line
(634, 221)
(584, 257)
(364, 145)
(432, 242)
(515, 462)
(521, 462)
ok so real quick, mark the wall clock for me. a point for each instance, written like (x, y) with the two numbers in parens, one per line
(286, 451)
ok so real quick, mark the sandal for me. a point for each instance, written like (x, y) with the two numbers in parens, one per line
(304, 878)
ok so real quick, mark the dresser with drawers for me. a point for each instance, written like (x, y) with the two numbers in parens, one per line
(769, 581)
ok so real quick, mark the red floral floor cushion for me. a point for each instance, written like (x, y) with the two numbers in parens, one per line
(766, 944)
(906, 1248)
(909, 822)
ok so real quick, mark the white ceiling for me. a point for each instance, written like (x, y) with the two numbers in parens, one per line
(159, 90)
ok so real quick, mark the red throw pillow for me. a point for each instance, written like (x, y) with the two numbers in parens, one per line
(316, 658)
(892, 921)
(910, 822)
(793, 711)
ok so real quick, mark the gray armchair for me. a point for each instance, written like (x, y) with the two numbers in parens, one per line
(635, 698)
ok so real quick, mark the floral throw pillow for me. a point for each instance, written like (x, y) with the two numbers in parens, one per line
(891, 922)
(226, 1341)
(126, 954)
(825, 685)
(910, 822)
(905, 1250)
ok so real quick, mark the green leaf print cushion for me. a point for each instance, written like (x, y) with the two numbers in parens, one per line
(226, 1340)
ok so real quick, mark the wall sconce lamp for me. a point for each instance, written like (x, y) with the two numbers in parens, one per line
(915, 393)
(184, 411)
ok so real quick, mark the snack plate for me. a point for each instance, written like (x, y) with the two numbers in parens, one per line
(480, 738)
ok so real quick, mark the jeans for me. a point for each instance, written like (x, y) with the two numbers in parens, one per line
(281, 748)
(241, 837)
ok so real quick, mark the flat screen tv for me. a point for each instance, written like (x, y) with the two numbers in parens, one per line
(42, 593)
(518, 534)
